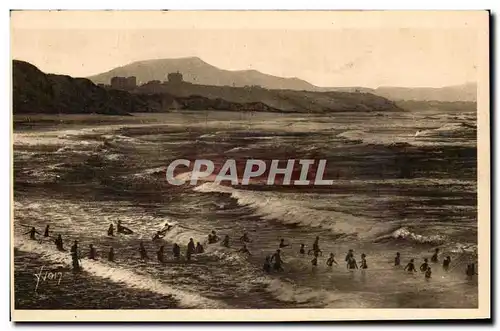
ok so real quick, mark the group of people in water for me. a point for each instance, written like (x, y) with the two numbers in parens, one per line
(272, 262)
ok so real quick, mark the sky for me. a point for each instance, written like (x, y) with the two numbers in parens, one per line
(340, 49)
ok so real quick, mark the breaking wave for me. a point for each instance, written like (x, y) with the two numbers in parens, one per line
(288, 211)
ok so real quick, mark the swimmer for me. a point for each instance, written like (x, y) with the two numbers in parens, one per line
(190, 249)
(123, 229)
(74, 256)
(111, 230)
(331, 260)
(225, 242)
(212, 237)
(32, 233)
(410, 266)
(364, 265)
(302, 249)
(351, 263)
(244, 250)
(425, 265)
(92, 252)
(434, 258)
(160, 254)
(446, 263)
(397, 259)
(166, 228)
(314, 261)
(428, 273)
(59, 243)
(349, 255)
(315, 247)
(157, 236)
(143, 252)
(277, 260)
(282, 243)
(111, 255)
(177, 251)
(470, 270)
(267, 264)
(199, 248)
(244, 238)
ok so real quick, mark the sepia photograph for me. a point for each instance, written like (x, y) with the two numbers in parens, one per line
(249, 165)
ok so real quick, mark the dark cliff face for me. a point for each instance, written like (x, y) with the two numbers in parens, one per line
(37, 92)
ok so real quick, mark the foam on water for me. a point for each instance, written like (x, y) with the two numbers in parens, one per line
(284, 209)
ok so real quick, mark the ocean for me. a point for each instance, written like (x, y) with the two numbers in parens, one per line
(402, 182)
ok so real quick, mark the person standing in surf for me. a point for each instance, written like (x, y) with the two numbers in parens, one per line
(190, 249)
(225, 242)
(425, 265)
(351, 263)
(428, 273)
(446, 263)
(278, 262)
(314, 261)
(111, 230)
(331, 260)
(315, 247)
(176, 250)
(46, 232)
(199, 248)
(397, 260)
(349, 255)
(160, 254)
(92, 252)
(111, 255)
(74, 256)
(434, 258)
(410, 267)
(364, 265)
(267, 264)
(143, 252)
(59, 243)
(244, 238)
(32, 232)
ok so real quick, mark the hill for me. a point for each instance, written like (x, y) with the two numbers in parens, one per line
(197, 71)
(465, 92)
(37, 92)
(274, 100)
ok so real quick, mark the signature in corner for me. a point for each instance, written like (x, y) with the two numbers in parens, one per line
(47, 276)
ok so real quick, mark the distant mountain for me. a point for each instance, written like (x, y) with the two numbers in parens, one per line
(465, 92)
(196, 71)
(37, 92)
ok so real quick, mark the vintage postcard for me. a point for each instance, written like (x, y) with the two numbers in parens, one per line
(250, 165)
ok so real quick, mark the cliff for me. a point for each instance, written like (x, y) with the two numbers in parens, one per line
(37, 92)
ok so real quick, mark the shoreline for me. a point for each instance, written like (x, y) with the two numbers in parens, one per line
(69, 290)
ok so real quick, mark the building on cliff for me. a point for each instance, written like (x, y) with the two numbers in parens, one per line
(175, 78)
(124, 83)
